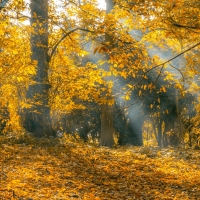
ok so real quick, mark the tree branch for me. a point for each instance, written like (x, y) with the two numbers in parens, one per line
(62, 38)
(162, 65)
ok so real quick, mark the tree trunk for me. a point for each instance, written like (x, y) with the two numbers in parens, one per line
(154, 130)
(180, 134)
(164, 138)
(160, 132)
(106, 136)
(37, 119)
(107, 126)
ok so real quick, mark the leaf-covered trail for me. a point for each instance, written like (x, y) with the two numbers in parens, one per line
(78, 171)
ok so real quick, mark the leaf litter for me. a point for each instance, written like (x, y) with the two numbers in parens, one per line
(50, 169)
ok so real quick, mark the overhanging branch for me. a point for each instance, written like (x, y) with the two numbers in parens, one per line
(62, 38)
(160, 65)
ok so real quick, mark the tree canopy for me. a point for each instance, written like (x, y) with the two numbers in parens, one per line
(153, 48)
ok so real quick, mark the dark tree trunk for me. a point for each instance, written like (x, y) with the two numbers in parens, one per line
(167, 128)
(180, 134)
(160, 132)
(107, 126)
(37, 119)
(164, 138)
(154, 130)
(106, 136)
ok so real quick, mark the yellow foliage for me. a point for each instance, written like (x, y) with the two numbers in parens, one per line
(114, 45)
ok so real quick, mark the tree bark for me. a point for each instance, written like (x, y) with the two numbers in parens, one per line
(37, 119)
(159, 132)
(107, 126)
(106, 136)
(180, 134)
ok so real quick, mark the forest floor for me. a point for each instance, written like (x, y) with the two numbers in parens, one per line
(52, 169)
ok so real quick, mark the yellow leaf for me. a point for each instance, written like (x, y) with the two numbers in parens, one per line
(15, 52)
(130, 86)
(123, 74)
(163, 89)
(15, 181)
(19, 79)
(127, 97)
